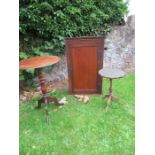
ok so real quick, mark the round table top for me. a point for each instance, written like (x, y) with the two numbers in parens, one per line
(38, 62)
(111, 73)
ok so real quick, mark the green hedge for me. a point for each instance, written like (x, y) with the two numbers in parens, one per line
(45, 24)
(52, 20)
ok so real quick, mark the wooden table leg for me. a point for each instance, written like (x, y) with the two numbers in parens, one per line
(108, 103)
(110, 96)
(45, 99)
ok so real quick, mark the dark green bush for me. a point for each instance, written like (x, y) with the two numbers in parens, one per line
(45, 24)
(52, 20)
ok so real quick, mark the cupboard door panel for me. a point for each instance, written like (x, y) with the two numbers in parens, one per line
(84, 68)
(84, 59)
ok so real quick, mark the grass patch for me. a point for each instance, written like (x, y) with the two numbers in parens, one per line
(82, 129)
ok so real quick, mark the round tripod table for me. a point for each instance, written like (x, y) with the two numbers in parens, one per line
(111, 73)
(38, 63)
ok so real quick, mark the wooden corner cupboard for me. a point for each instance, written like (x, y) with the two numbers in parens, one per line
(84, 60)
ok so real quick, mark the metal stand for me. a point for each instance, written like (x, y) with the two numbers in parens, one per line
(45, 99)
(110, 96)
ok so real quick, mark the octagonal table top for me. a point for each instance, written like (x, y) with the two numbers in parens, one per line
(38, 62)
(111, 73)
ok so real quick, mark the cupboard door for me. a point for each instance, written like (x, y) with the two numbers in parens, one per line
(84, 59)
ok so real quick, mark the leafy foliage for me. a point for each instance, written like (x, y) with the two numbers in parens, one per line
(54, 20)
(45, 24)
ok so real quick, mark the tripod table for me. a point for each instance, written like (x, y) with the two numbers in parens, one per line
(37, 63)
(111, 74)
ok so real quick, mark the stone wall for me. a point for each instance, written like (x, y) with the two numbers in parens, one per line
(58, 72)
(120, 46)
(119, 51)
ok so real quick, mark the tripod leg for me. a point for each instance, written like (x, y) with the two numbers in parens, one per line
(39, 103)
(108, 103)
(106, 96)
(54, 99)
(115, 98)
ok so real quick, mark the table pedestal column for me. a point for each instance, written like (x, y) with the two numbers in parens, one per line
(110, 96)
(45, 99)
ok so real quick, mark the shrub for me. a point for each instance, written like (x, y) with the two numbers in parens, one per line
(45, 24)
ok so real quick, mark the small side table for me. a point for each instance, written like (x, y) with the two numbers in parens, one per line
(38, 63)
(111, 73)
